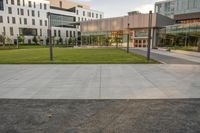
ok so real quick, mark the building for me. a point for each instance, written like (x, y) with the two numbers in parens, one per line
(24, 17)
(30, 18)
(136, 24)
(186, 30)
(171, 8)
(65, 14)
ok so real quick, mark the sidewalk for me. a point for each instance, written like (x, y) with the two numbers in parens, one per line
(190, 56)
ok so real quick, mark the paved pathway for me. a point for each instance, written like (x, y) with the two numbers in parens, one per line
(99, 81)
(170, 57)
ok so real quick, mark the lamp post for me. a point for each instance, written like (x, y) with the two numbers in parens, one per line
(149, 36)
(50, 40)
(128, 37)
(17, 41)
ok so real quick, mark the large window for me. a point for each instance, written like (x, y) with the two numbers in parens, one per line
(62, 21)
(1, 5)
(1, 19)
(28, 32)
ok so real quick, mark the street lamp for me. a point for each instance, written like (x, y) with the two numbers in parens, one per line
(128, 37)
(50, 40)
(149, 36)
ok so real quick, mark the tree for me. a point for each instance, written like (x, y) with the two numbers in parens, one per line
(35, 40)
(60, 40)
(8, 41)
(21, 39)
(2, 39)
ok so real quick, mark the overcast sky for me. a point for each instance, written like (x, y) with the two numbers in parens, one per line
(114, 8)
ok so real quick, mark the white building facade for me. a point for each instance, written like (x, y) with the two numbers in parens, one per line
(24, 17)
(64, 15)
(30, 19)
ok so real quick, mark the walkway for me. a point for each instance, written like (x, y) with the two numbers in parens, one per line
(174, 57)
(99, 81)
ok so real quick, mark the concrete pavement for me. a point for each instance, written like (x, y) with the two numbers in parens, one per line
(99, 81)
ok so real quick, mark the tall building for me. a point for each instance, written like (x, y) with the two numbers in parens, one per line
(24, 17)
(171, 8)
(30, 18)
(64, 17)
(186, 14)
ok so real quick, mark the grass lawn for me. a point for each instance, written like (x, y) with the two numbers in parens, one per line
(71, 56)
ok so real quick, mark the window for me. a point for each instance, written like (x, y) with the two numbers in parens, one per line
(1, 5)
(1, 19)
(23, 3)
(4, 30)
(45, 22)
(11, 31)
(22, 11)
(40, 22)
(9, 10)
(40, 32)
(77, 12)
(29, 4)
(28, 31)
(60, 4)
(38, 13)
(55, 33)
(18, 2)
(33, 13)
(25, 21)
(40, 5)
(17, 11)
(8, 19)
(59, 34)
(12, 2)
(100, 16)
(83, 13)
(13, 20)
(34, 5)
(74, 33)
(70, 33)
(6, 1)
(45, 6)
(28, 12)
(97, 15)
(67, 34)
(20, 20)
(33, 21)
(92, 15)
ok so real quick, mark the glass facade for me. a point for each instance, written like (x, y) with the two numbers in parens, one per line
(28, 32)
(180, 34)
(174, 7)
(187, 6)
(62, 21)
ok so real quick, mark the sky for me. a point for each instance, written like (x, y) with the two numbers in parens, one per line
(115, 8)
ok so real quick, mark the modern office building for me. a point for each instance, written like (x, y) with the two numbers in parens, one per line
(30, 18)
(64, 15)
(171, 8)
(186, 31)
(24, 17)
(135, 24)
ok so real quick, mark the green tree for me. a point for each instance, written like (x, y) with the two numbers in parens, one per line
(2, 39)
(35, 40)
(21, 39)
(8, 41)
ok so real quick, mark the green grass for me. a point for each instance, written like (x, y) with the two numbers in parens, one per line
(71, 56)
